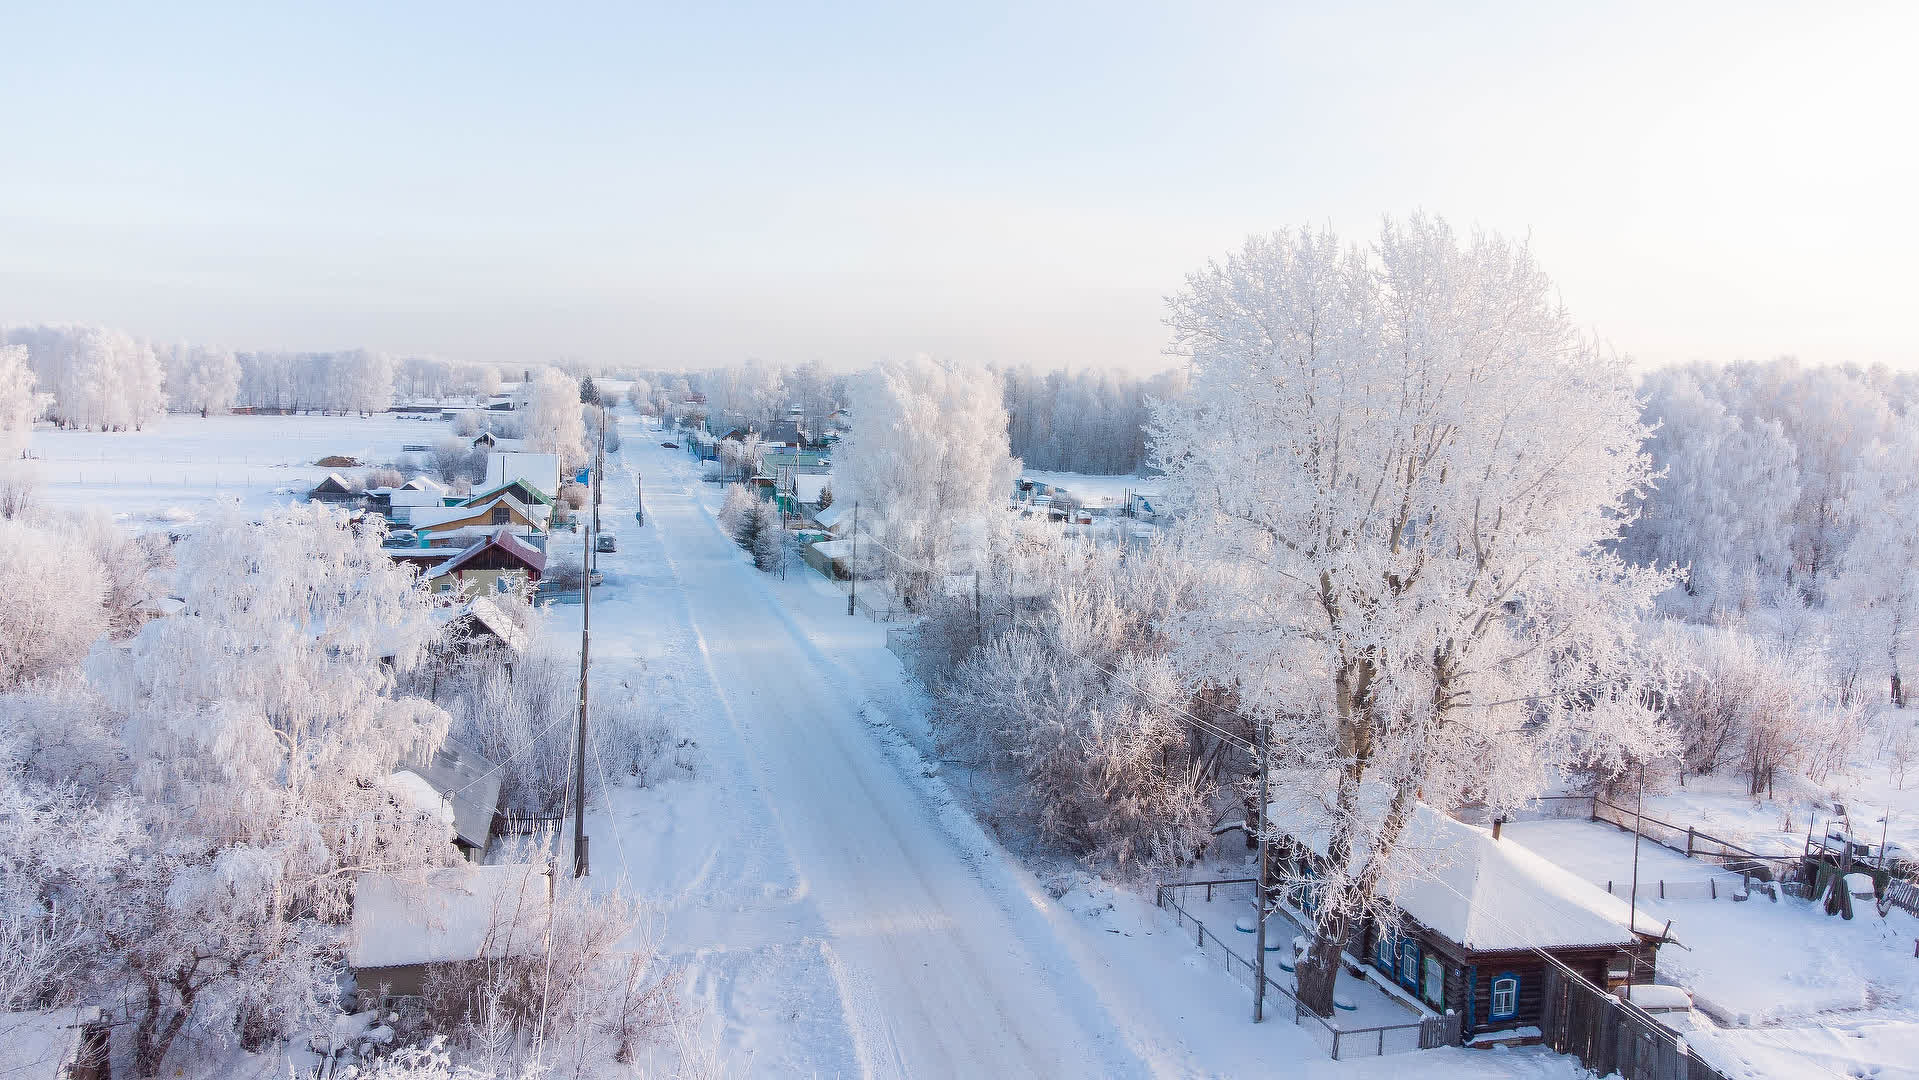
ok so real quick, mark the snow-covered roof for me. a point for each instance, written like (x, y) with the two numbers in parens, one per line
(488, 614)
(447, 514)
(809, 486)
(834, 549)
(1488, 895)
(464, 783)
(456, 914)
(830, 517)
(423, 483)
(502, 538)
(333, 481)
(40, 1045)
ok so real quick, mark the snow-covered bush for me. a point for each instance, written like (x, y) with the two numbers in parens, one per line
(1081, 702)
(585, 998)
(57, 606)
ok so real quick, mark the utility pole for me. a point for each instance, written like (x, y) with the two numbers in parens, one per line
(853, 564)
(1638, 826)
(586, 623)
(1259, 889)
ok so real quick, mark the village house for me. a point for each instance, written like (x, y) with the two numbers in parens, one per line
(497, 563)
(404, 926)
(539, 505)
(458, 525)
(1472, 915)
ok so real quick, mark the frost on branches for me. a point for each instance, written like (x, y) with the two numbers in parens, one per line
(554, 423)
(263, 726)
(927, 459)
(1401, 469)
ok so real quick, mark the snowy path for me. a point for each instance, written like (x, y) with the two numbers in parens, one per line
(940, 968)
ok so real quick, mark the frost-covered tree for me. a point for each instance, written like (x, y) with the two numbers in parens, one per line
(735, 508)
(553, 424)
(1881, 580)
(927, 460)
(20, 404)
(100, 379)
(54, 611)
(201, 379)
(264, 724)
(368, 378)
(1723, 509)
(1400, 468)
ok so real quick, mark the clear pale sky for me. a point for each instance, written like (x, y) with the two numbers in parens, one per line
(693, 184)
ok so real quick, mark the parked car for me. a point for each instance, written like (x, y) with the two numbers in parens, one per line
(606, 542)
(402, 538)
(671, 445)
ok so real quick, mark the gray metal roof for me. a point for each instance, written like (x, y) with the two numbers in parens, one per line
(470, 782)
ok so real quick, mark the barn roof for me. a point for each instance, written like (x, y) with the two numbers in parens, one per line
(461, 913)
(1487, 895)
(334, 483)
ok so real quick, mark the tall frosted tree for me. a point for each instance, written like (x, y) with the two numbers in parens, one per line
(554, 424)
(1401, 467)
(1881, 581)
(20, 404)
(201, 378)
(263, 723)
(927, 459)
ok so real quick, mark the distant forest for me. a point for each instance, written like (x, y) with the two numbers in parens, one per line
(1092, 422)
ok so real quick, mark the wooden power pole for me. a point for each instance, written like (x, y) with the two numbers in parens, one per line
(586, 624)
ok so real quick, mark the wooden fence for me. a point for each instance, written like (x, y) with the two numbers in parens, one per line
(1424, 1033)
(1609, 1035)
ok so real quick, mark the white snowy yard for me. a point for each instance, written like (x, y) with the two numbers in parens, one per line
(1794, 990)
(179, 465)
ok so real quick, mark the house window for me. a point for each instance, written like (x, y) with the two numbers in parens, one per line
(1409, 964)
(1506, 997)
(1383, 952)
(500, 515)
(1433, 985)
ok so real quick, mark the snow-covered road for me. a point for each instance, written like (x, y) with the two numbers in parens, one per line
(942, 967)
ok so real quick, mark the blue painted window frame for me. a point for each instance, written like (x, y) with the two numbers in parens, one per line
(1409, 956)
(1385, 952)
(1493, 1010)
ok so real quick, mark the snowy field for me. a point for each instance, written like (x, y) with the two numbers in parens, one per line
(179, 466)
(1793, 990)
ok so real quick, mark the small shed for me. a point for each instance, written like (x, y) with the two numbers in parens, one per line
(830, 557)
(405, 925)
(334, 488)
(1469, 923)
(465, 786)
